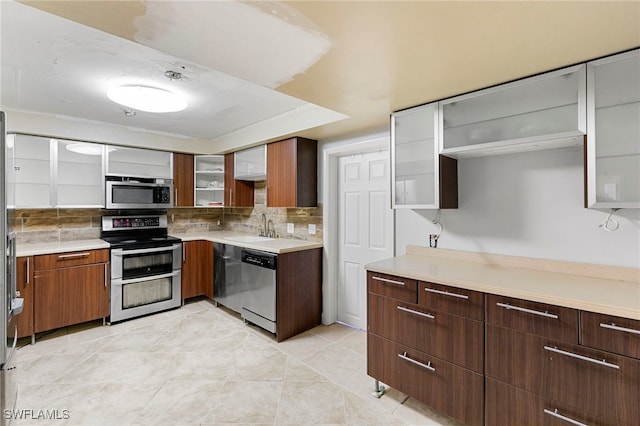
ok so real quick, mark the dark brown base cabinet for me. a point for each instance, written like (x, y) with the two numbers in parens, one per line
(70, 288)
(428, 344)
(298, 292)
(525, 364)
(24, 287)
(197, 269)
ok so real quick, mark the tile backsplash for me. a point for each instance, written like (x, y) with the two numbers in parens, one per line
(53, 225)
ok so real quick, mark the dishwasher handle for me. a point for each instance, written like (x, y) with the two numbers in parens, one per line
(260, 259)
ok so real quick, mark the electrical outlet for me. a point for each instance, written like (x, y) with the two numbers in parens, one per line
(312, 229)
(290, 229)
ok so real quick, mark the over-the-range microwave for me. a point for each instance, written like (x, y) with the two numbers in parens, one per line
(126, 192)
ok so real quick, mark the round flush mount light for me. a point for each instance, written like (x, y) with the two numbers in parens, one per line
(146, 98)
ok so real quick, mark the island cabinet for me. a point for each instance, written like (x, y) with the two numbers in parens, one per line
(292, 173)
(24, 288)
(540, 370)
(197, 269)
(237, 193)
(70, 288)
(183, 180)
(427, 341)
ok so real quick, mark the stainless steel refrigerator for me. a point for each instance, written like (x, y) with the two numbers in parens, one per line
(10, 305)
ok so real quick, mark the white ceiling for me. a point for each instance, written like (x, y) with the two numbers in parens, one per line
(56, 66)
(263, 70)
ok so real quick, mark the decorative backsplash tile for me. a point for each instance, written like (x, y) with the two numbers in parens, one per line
(51, 225)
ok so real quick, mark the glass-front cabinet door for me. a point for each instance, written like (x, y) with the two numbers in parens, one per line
(124, 161)
(414, 152)
(33, 175)
(80, 174)
(544, 111)
(613, 138)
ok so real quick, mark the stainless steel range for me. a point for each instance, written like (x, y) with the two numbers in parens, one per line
(145, 265)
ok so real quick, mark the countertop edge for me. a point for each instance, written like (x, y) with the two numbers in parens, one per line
(277, 245)
(631, 289)
(36, 249)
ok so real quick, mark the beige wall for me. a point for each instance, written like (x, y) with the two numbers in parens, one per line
(52, 225)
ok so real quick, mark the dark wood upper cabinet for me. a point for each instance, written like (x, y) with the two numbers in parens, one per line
(292, 173)
(183, 180)
(237, 193)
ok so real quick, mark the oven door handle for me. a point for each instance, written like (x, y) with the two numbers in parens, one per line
(122, 252)
(143, 279)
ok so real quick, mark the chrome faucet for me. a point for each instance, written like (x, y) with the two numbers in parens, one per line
(263, 231)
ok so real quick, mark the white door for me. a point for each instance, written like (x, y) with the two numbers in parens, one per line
(365, 228)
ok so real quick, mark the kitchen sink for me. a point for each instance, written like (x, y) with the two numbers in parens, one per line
(249, 239)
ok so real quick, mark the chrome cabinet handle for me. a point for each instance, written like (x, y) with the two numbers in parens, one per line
(557, 415)
(230, 196)
(385, 280)
(446, 293)
(529, 311)
(581, 357)
(175, 196)
(105, 275)
(72, 256)
(28, 271)
(612, 326)
(122, 252)
(184, 255)
(418, 363)
(411, 311)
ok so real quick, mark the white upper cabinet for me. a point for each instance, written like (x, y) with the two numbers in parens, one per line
(251, 164)
(32, 178)
(209, 180)
(545, 111)
(79, 174)
(613, 138)
(56, 173)
(416, 174)
(124, 161)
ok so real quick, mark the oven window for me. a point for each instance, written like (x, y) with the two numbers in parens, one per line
(131, 195)
(146, 293)
(143, 265)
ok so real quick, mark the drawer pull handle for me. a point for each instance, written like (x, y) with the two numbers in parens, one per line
(418, 363)
(612, 326)
(581, 357)
(446, 293)
(411, 311)
(529, 311)
(557, 415)
(28, 271)
(385, 280)
(73, 256)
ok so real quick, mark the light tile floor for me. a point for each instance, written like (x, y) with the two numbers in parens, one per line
(201, 365)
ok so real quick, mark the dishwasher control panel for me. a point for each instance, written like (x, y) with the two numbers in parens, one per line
(261, 259)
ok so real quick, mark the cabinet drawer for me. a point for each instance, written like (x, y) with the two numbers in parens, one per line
(75, 258)
(456, 339)
(532, 317)
(457, 301)
(392, 286)
(447, 388)
(508, 405)
(610, 333)
(596, 382)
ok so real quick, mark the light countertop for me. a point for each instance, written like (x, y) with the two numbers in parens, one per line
(618, 297)
(275, 245)
(34, 249)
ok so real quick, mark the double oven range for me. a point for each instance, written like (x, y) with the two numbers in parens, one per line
(145, 264)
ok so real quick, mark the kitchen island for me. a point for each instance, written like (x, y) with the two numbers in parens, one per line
(494, 340)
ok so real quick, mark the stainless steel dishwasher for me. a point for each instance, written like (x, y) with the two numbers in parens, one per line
(245, 281)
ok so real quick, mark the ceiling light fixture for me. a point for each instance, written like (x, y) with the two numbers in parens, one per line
(146, 98)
